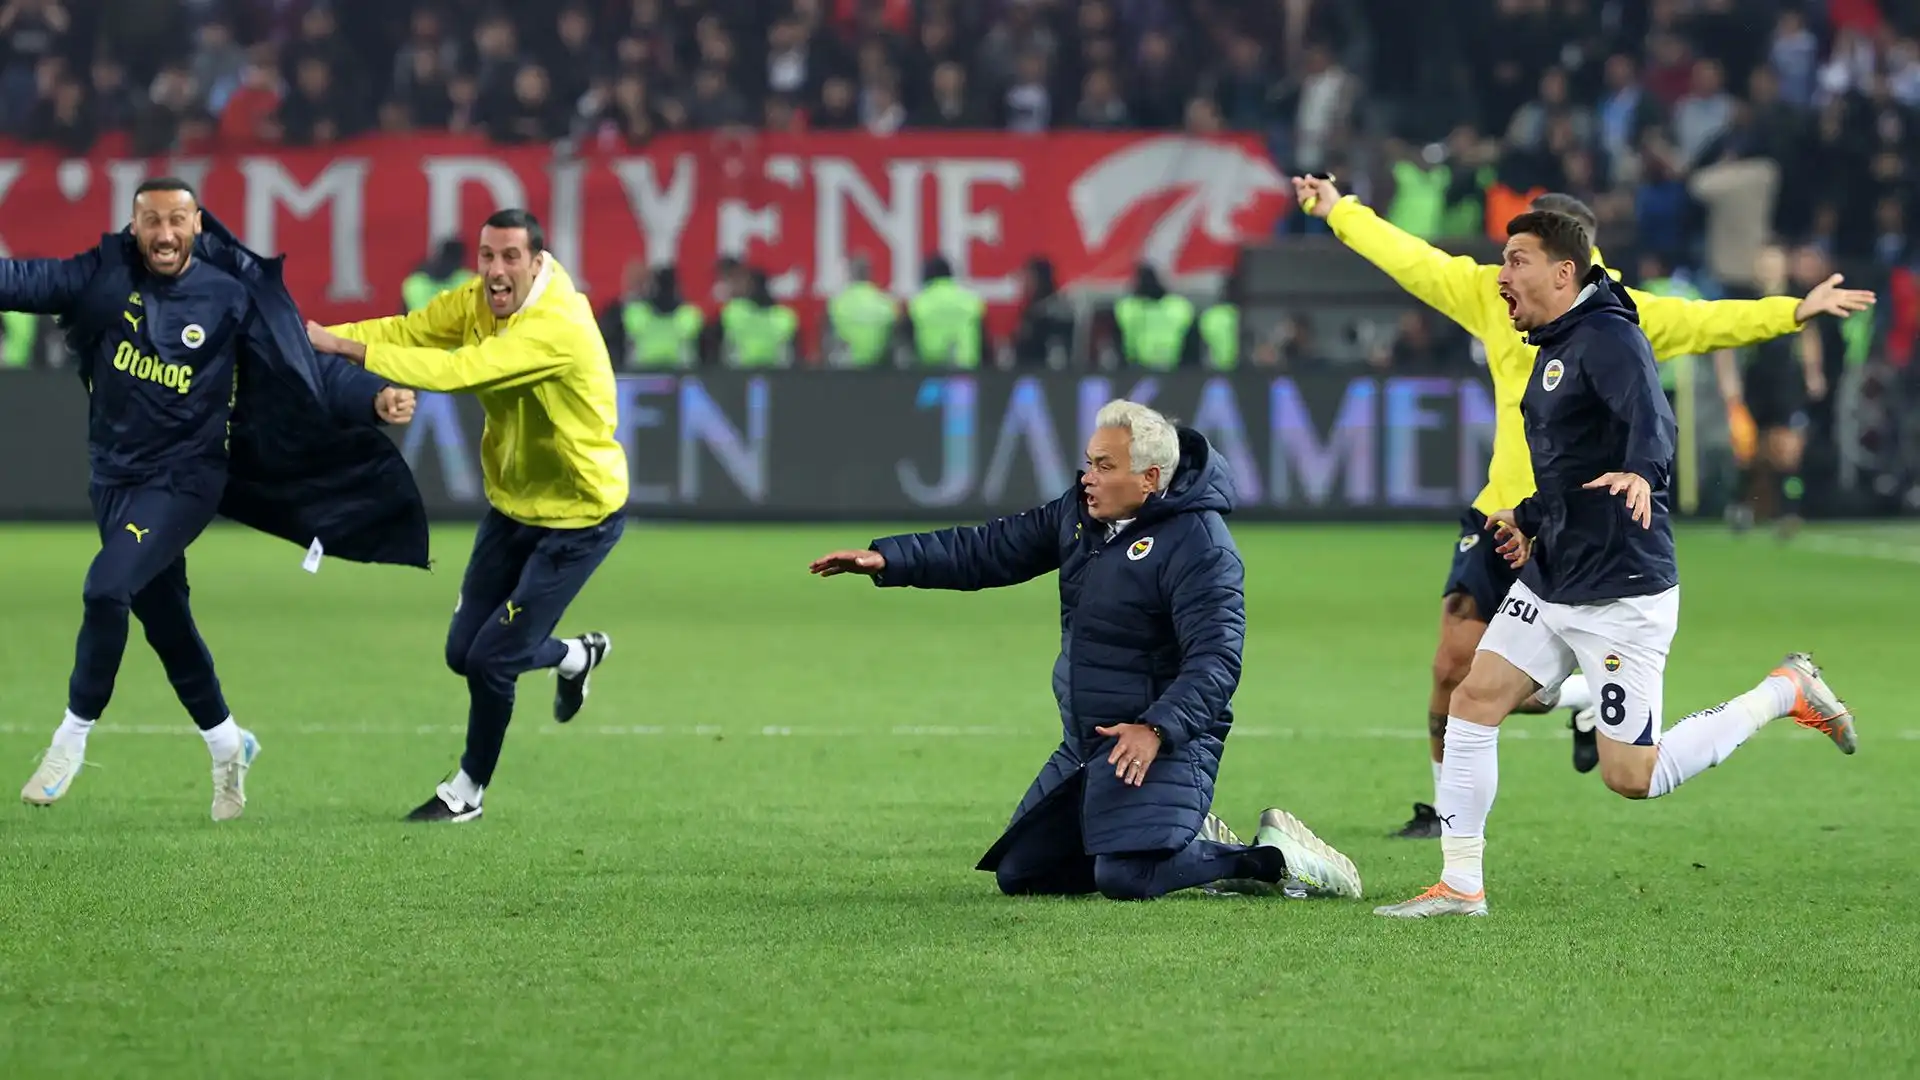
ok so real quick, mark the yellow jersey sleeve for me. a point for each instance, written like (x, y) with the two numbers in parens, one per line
(1463, 290)
(514, 359)
(1676, 326)
(442, 324)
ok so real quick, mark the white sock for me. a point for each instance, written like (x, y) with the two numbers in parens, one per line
(1705, 739)
(465, 789)
(1576, 693)
(223, 739)
(1436, 784)
(575, 661)
(1469, 777)
(72, 733)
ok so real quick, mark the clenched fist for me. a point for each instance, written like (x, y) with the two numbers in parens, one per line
(394, 405)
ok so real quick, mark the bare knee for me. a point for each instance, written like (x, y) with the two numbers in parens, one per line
(1460, 628)
(1784, 448)
(1450, 668)
(1475, 700)
(1632, 777)
(1491, 691)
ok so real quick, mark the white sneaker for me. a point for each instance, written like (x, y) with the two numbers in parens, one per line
(230, 779)
(1312, 863)
(58, 766)
(1216, 830)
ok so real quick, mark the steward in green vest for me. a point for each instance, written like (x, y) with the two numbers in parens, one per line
(19, 333)
(658, 328)
(755, 331)
(1220, 323)
(1435, 198)
(1154, 324)
(861, 320)
(945, 318)
(447, 269)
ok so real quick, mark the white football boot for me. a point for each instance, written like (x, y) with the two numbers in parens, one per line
(58, 766)
(230, 778)
(1312, 864)
(1215, 829)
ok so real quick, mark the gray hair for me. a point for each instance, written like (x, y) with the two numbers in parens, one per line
(1154, 442)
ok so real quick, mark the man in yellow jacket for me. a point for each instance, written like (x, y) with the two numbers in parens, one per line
(524, 341)
(1467, 292)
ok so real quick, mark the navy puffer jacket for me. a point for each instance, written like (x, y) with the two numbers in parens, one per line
(1152, 621)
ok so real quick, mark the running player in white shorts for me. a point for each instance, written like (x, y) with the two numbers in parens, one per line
(1599, 588)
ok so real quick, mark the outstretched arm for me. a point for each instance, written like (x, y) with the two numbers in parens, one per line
(45, 286)
(1681, 327)
(441, 324)
(1210, 619)
(493, 363)
(1676, 326)
(1453, 285)
(349, 394)
(1004, 551)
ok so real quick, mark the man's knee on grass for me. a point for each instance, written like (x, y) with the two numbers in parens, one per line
(1120, 878)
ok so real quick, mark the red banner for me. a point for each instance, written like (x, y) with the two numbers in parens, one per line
(355, 218)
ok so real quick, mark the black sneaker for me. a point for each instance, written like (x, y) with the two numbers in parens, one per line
(1586, 748)
(445, 806)
(1424, 825)
(570, 691)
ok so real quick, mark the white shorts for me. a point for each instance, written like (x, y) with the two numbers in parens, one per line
(1621, 645)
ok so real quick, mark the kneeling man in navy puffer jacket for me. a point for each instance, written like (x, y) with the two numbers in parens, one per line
(1152, 619)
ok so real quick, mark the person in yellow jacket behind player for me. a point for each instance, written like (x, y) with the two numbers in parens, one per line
(1467, 293)
(523, 340)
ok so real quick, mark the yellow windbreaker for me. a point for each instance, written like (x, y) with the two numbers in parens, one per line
(1468, 293)
(548, 452)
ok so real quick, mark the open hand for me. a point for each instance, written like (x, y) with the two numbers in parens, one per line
(1828, 298)
(1316, 196)
(1133, 753)
(394, 405)
(1639, 495)
(324, 340)
(1515, 546)
(848, 562)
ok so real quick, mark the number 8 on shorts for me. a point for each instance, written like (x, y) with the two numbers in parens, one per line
(1620, 644)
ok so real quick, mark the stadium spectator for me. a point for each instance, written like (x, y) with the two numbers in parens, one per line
(1696, 129)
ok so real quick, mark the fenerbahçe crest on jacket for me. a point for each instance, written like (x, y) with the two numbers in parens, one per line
(162, 395)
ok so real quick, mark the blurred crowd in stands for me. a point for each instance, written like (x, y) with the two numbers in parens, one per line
(1699, 130)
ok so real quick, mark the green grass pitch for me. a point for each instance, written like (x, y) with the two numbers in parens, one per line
(752, 853)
